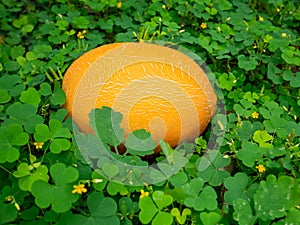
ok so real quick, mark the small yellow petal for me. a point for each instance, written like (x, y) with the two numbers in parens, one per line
(255, 115)
(261, 168)
(203, 25)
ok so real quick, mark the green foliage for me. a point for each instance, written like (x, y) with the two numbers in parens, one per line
(55, 133)
(252, 47)
(152, 209)
(12, 137)
(59, 195)
(102, 211)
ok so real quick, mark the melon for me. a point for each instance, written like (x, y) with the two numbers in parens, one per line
(155, 87)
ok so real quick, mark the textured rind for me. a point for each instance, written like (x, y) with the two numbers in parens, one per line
(154, 87)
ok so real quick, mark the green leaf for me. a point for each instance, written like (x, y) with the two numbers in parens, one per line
(125, 206)
(161, 199)
(243, 212)
(247, 63)
(207, 199)
(178, 179)
(27, 28)
(8, 213)
(162, 218)
(291, 55)
(7, 82)
(227, 81)
(194, 187)
(110, 170)
(11, 138)
(274, 198)
(80, 22)
(24, 114)
(114, 188)
(262, 137)
(31, 96)
(276, 43)
(4, 96)
(59, 195)
(223, 4)
(140, 142)
(28, 177)
(250, 153)
(102, 211)
(99, 186)
(17, 51)
(56, 133)
(210, 218)
(235, 187)
(106, 124)
(148, 210)
(273, 74)
(211, 168)
(58, 97)
(45, 89)
(294, 78)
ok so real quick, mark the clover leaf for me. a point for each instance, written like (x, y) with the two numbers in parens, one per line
(58, 97)
(293, 78)
(11, 138)
(10, 84)
(31, 96)
(262, 137)
(102, 211)
(227, 81)
(106, 124)
(24, 114)
(4, 96)
(211, 168)
(235, 187)
(199, 198)
(152, 210)
(275, 197)
(8, 213)
(56, 133)
(250, 153)
(29, 175)
(140, 142)
(243, 212)
(210, 218)
(59, 195)
(247, 63)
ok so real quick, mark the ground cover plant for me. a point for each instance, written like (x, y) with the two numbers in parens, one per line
(252, 47)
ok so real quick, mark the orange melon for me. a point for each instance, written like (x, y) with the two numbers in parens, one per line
(154, 87)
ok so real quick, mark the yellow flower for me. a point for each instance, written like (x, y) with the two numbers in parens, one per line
(260, 18)
(144, 193)
(283, 35)
(260, 168)
(255, 115)
(81, 34)
(119, 5)
(38, 145)
(163, 6)
(203, 25)
(79, 189)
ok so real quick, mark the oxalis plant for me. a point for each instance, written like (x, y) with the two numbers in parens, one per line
(48, 173)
